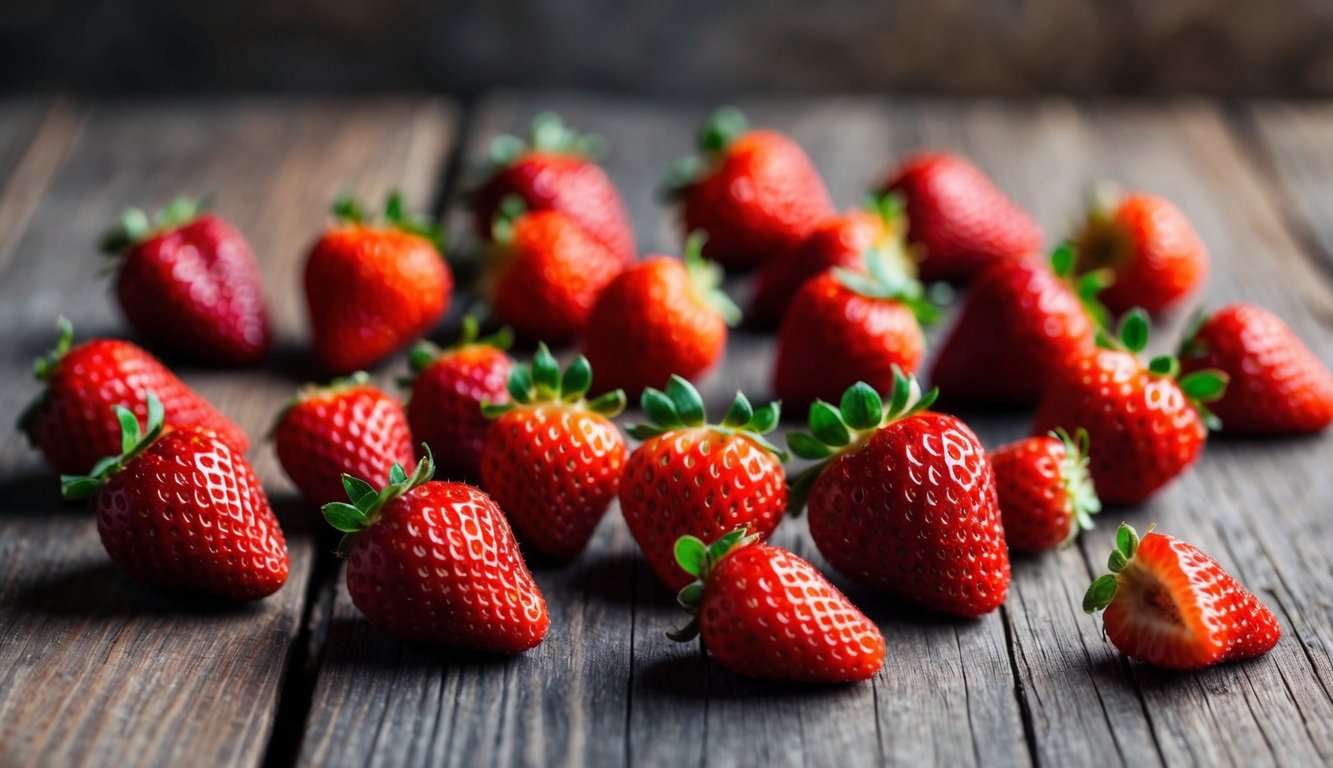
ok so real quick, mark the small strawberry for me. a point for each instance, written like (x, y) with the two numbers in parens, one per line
(188, 283)
(73, 422)
(555, 171)
(1172, 606)
(552, 459)
(755, 193)
(1045, 491)
(182, 510)
(958, 219)
(744, 592)
(348, 427)
(903, 499)
(435, 562)
(658, 318)
(1277, 384)
(371, 288)
(698, 479)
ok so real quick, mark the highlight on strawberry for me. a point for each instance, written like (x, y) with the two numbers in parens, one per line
(1045, 491)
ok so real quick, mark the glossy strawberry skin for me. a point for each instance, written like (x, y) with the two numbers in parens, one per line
(758, 588)
(441, 566)
(1156, 255)
(444, 411)
(1277, 385)
(1034, 501)
(189, 514)
(836, 242)
(913, 512)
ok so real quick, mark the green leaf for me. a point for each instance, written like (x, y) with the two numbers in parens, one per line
(1133, 330)
(78, 486)
(157, 414)
(691, 554)
(807, 447)
(1126, 541)
(740, 412)
(578, 377)
(642, 432)
(724, 126)
(902, 391)
(827, 425)
(520, 383)
(690, 595)
(610, 404)
(1205, 386)
(344, 517)
(393, 207)
(545, 372)
(1062, 259)
(689, 405)
(357, 489)
(659, 408)
(1100, 594)
(129, 429)
(397, 475)
(861, 406)
(1117, 561)
(723, 546)
(766, 417)
(1164, 365)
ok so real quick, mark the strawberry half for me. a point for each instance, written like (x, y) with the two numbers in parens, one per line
(1045, 492)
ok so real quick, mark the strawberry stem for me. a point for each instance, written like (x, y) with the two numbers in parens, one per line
(541, 382)
(133, 441)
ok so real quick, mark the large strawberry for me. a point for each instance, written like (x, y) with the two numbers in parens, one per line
(744, 591)
(435, 562)
(1277, 384)
(373, 287)
(693, 478)
(552, 459)
(188, 283)
(182, 510)
(72, 420)
(1045, 492)
(1172, 606)
(959, 220)
(555, 170)
(1145, 426)
(755, 193)
(903, 499)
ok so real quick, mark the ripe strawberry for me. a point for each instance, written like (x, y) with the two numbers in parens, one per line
(903, 499)
(371, 288)
(188, 283)
(435, 562)
(1045, 491)
(347, 427)
(962, 223)
(72, 421)
(555, 171)
(447, 392)
(755, 193)
(744, 591)
(183, 510)
(698, 479)
(1148, 243)
(1277, 383)
(1172, 606)
(552, 460)
(1144, 426)
(658, 318)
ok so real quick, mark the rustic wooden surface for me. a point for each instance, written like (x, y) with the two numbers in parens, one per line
(97, 671)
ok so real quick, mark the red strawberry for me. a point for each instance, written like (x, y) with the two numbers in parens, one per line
(1148, 243)
(1277, 383)
(188, 283)
(1172, 606)
(72, 421)
(372, 288)
(1144, 426)
(1045, 491)
(435, 562)
(551, 459)
(961, 222)
(744, 592)
(348, 427)
(698, 479)
(184, 511)
(658, 318)
(755, 193)
(555, 171)
(447, 392)
(903, 500)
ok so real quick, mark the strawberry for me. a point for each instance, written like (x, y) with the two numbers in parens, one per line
(448, 389)
(1277, 384)
(743, 592)
(1045, 491)
(755, 193)
(698, 479)
(183, 510)
(1144, 426)
(658, 318)
(903, 499)
(188, 283)
(72, 421)
(555, 171)
(435, 562)
(1172, 606)
(551, 459)
(958, 218)
(348, 427)
(1148, 243)
(371, 288)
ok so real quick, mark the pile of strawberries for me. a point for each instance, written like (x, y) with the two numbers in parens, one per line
(901, 499)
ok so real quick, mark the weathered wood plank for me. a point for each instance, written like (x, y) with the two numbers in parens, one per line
(27, 165)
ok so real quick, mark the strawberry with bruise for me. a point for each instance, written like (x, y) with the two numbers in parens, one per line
(1045, 492)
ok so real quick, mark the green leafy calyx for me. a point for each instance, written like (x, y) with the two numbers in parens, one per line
(706, 279)
(312, 391)
(133, 441)
(424, 353)
(1086, 287)
(543, 382)
(1103, 588)
(44, 368)
(135, 226)
(681, 407)
(362, 509)
(698, 560)
(888, 276)
(1077, 480)
(347, 210)
(717, 133)
(548, 135)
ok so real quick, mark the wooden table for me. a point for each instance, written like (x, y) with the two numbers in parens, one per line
(95, 670)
